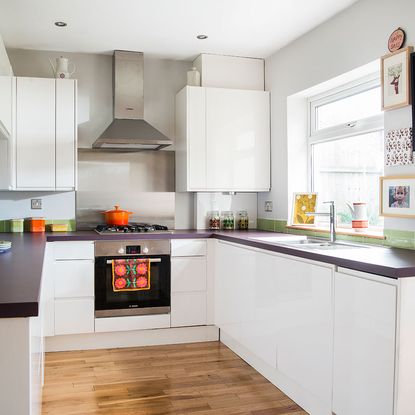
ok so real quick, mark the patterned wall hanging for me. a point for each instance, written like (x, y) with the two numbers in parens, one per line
(399, 147)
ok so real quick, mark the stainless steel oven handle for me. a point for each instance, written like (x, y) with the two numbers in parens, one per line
(151, 260)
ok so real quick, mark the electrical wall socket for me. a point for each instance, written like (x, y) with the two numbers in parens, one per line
(36, 203)
(268, 206)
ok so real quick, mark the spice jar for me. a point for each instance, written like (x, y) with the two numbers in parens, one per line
(243, 220)
(228, 220)
(214, 220)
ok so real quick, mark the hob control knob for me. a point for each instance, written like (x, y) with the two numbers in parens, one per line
(145, 250)
(121, 251)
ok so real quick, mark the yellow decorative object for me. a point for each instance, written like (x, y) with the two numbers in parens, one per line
(303, 203)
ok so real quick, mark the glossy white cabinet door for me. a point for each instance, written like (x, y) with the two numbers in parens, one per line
(238, 139)
(364, 346)
(6, 104)
(35, 133)
(305, 324)
(65, 133)
(74, 316)
(74, 279)
(188, 274)
(188, 309)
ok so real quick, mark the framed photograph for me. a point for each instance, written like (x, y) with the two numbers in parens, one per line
(395, 77)
(397, 196)
(303, 203)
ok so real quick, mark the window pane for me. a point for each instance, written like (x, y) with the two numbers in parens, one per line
(355, 107)
(348, 170)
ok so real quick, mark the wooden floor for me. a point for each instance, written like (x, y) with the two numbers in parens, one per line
(198, 378)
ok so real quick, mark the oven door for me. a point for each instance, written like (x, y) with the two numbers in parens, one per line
(156, 300)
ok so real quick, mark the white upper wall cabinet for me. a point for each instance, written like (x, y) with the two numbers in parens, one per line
(222, 140)
(35, 133)
(43, 136)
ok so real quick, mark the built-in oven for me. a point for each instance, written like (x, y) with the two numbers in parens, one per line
(132, 277)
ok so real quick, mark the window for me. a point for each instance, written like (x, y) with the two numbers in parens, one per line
(346, 149)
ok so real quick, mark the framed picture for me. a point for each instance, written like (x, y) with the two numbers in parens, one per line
(395, 76)
(303, 203)
(397, 196)
(413, 94)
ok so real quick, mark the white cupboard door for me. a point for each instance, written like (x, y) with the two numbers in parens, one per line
(364, 346)
(6, 104)
(238, 139)
(74, 279)
(74, 316)
(188, 274)
(305, 325)
(65, 133)
(196, 132)
(188, 309)
(35, 133)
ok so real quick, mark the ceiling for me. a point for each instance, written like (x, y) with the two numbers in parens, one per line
(165, 28)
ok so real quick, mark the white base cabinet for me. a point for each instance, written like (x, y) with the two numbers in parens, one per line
(364, 344)
(189, 283)
(280, 309)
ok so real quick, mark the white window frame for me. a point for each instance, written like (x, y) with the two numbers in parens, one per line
(344, 130)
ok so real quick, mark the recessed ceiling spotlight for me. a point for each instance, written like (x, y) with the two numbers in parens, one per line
(202, 37)
(61, 24)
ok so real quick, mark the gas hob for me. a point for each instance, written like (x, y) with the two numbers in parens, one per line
(131, 228)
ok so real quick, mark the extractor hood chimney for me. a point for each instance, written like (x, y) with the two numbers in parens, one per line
(129, 131)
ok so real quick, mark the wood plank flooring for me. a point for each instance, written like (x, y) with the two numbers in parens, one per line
(198, 378)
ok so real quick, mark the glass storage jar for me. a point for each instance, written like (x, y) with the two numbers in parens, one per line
(228, 220)
(214, 220)
(243, 220)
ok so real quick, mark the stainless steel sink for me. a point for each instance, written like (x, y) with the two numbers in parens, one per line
(321, 244)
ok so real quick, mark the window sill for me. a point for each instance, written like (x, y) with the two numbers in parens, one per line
(341, 231)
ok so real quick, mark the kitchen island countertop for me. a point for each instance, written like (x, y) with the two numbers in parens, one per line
(21, 267)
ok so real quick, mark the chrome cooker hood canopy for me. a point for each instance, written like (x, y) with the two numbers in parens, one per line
(129, 131)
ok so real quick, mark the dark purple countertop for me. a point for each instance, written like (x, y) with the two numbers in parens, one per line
(21, 268)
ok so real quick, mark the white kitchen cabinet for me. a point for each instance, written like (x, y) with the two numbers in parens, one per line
(74, 279)
(65, 134)
(279, 308)
(74, 316)
(364, 344)
(189, 283)
(6, 83)
(45, 134)
(222, 140)
(35, 133)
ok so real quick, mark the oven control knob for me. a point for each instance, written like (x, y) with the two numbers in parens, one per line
(145, 250)
(121, 251)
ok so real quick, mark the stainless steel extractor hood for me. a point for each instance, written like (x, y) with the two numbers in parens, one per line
(129, 131)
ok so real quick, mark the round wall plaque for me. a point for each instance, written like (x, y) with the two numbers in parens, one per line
(396, 40)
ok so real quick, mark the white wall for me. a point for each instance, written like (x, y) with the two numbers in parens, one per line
(14, 205)
(351, 39)
(5, 68)
(163, 78)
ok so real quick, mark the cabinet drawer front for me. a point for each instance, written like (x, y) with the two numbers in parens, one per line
(73, 250)
(188, 309)
(188, 274)
(74, 316)
(188, 247)
(74, 279)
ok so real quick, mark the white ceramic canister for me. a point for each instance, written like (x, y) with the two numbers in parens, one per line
(193, 77)
(360, 220)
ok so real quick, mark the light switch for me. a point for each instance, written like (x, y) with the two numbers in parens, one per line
(36, 203)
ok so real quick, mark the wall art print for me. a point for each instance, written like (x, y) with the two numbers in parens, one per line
(395, 70)
(399, 147)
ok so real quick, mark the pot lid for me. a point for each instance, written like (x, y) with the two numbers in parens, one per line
(117, 210)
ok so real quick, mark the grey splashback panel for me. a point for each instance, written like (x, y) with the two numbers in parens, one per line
(141, 182)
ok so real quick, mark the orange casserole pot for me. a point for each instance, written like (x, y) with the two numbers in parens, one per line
(117, 216)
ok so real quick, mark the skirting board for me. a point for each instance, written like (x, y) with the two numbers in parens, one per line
(131, 338)
(300, 396)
